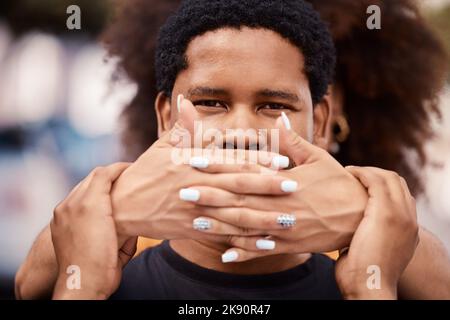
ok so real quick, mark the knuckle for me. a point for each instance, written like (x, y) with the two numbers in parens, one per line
(394, 176)
(98, 172)
(296, 141)
(394, 219)
(413, 201)
(239, 200)
(240, 219)
(59, 211)
(232, 240)
(382, 183)
(266, 221)
(245, 231)
(83, 207)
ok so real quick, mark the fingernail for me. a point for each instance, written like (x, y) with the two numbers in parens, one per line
(229, 256)
(286, 220)
(189, 195)
(280, 162)
(179, 99)
(286, 122)
(264, 244)
(199, 162)
(289, 186)
(201, 224)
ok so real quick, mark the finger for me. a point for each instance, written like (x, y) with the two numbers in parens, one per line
(80, 187)
(239, 255)
(127, 251)
(255, 243)
(102, 178)
(374, 183)
(229, 161)
(252, 219)
(391, 182)
(209, 196)
(214, 226)
(254, 183)
(181, 134)
(215, 197)
(294, 146)
(397, 188)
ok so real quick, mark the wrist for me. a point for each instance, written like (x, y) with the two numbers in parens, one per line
(357, 285)
(362, 291)
(371, 294)
(122, 222)
(64, 291)
(86, 282)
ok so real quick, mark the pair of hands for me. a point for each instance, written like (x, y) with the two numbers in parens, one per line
(242, 201)
(236, 199)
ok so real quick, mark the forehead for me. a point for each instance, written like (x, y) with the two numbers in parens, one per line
(246, 56)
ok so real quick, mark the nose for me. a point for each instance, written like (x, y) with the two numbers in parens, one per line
(241, 130)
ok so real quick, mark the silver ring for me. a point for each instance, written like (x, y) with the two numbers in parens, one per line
(287, 220)
(201, 224)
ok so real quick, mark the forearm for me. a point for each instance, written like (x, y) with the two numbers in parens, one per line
(37, 275)
(428, 274)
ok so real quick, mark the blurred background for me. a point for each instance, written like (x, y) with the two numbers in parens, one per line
(59, 113)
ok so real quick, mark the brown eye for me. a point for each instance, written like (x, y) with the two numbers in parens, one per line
(210, 104)
(273, 106)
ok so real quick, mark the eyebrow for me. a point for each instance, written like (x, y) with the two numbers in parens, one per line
(288, 96)
(265, 93)
(207, 91)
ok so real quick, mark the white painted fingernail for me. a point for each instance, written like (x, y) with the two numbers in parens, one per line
(229, 256)
(264, 244)
(289, 186)
(201, 224)
(189, 195)
(286, 122)
(179, 99)
(199, 162)
(280, 162)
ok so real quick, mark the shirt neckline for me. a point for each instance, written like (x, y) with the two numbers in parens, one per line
(223, 279)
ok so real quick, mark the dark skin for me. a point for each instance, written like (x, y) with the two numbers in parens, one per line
(274, 82)
(275, 67)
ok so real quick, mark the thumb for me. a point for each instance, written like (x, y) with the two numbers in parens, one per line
(127, 251)
(293, 145)
(181, 134)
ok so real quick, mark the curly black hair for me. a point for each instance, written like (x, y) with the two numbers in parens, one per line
(295, 20)
(390, 80)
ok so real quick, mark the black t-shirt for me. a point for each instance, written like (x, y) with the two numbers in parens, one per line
(161, 273)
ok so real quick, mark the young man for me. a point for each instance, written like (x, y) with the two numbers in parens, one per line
(241, 68)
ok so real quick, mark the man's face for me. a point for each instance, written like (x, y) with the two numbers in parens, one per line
(244, 79)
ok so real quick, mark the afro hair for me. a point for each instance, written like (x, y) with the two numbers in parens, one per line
(294, 20)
